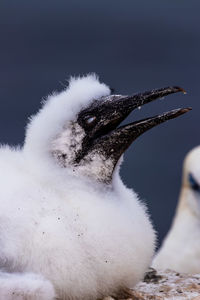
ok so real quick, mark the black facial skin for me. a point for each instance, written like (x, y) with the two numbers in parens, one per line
(101, 119)
(193, 183)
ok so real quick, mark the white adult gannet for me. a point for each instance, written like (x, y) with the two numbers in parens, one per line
(181, 247)
(69, 227)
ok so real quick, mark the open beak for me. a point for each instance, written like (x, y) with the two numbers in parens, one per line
(111, 141)
(115, 143)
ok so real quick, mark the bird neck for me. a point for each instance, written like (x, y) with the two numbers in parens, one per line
(188, 206)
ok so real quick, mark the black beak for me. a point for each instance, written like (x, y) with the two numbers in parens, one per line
(129, 103)
(104, 137)
(115, 143)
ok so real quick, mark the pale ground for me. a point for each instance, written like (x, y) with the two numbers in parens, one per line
(167, 285)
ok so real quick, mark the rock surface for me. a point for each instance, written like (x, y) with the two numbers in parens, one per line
(167, 285)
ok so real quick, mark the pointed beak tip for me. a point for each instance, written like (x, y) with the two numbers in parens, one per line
(179, 89)
(184, 110)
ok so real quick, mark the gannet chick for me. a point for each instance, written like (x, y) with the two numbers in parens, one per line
(65, 214)
(181, 247)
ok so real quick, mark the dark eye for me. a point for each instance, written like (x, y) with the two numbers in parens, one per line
(90, 120)
(193, 183)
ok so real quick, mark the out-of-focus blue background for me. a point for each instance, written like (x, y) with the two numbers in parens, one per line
(133, 46)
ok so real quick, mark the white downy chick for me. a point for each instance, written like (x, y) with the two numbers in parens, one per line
(180, 250)
(69, 227)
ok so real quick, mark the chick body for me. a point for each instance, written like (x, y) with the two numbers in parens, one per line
(86, 239)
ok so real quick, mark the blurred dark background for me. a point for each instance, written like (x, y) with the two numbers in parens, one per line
(133, 46)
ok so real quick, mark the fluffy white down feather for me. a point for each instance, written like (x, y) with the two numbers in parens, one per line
(85, 238)
(20, 286)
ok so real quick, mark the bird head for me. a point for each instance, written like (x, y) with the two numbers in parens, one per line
(190, 196)
(80, 128)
